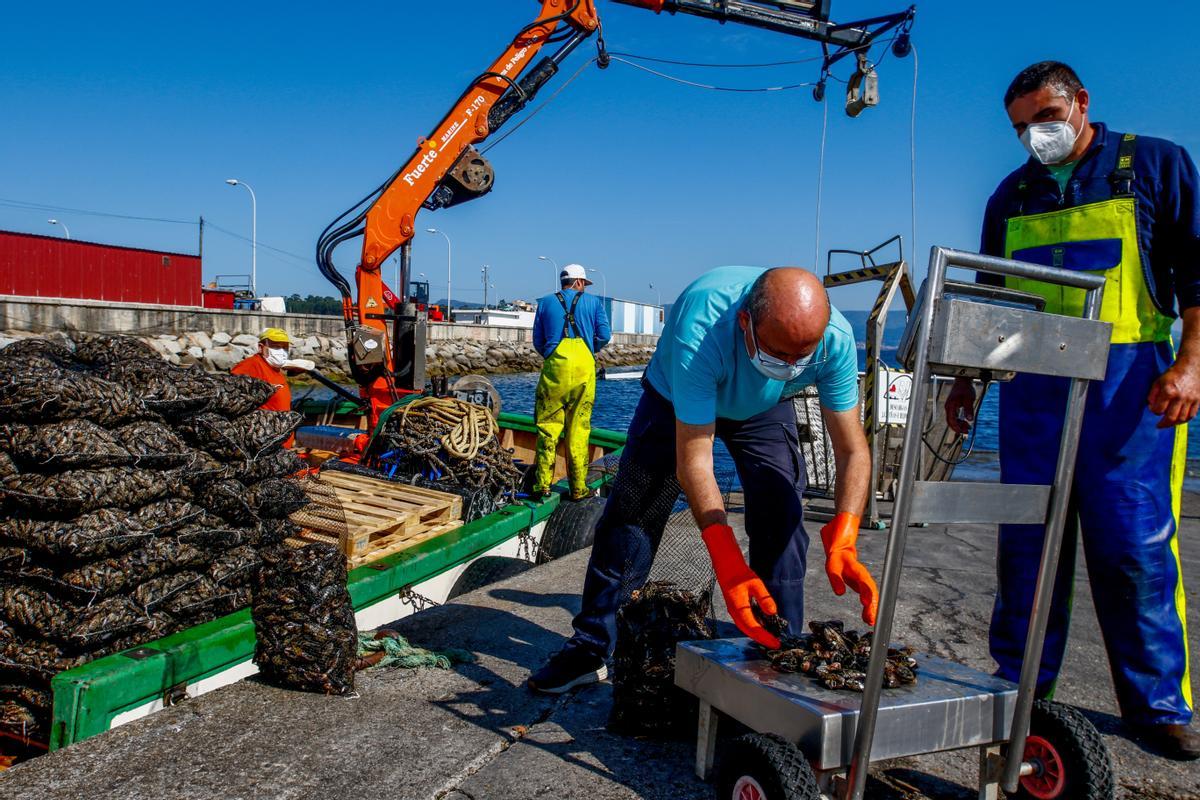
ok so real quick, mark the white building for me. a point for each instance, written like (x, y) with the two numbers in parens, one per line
(494, 317)
(630, 316)
(626, 316)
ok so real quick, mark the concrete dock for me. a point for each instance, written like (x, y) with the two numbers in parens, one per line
(475, 732)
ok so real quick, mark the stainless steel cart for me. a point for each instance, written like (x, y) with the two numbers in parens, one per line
(813, 743)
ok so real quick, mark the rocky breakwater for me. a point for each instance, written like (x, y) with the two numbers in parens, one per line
(220, 351)
(465, 356)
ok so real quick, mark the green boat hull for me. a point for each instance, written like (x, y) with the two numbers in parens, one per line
(87, 699)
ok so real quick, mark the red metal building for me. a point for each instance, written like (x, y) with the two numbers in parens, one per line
(49, 266)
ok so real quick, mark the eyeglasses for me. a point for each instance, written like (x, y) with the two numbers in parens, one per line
(797, 367)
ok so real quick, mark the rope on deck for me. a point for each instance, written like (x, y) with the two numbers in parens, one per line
(387, 648)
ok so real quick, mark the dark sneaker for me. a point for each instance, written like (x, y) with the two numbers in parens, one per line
(567, 669)
(1176, 742)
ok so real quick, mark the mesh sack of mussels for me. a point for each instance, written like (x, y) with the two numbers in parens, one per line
(306, 636)
(135, 498)
(646, 701)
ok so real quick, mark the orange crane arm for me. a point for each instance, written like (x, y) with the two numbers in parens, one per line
(445, 170)
(390, 221)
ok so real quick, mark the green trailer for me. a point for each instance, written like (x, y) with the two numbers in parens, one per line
(115, 689)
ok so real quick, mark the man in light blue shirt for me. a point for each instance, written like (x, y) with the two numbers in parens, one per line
(739, 342)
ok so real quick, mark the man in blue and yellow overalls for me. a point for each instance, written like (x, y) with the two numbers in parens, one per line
(1124, 206)
(570, 327)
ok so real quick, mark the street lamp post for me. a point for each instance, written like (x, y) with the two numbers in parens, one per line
(484, 272)
(555, 264)
(603, 278)
(253, 234)
(449, 304)
(658, 293)
(66, 230)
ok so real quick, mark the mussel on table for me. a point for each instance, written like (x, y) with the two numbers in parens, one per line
(835, 657)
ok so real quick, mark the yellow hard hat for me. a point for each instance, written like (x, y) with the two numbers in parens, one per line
(274, 335)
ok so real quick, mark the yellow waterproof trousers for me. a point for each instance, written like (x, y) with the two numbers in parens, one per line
(566, 392)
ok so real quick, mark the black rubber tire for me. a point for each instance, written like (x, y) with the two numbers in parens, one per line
(571, 527)
(773, 762)
(486, 571)
(1086, 763)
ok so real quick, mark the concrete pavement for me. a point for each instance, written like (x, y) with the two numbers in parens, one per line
(476, 732)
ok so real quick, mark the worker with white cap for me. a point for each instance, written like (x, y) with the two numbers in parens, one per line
(569, 329)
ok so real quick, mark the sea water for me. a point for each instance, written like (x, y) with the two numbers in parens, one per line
(616, 401)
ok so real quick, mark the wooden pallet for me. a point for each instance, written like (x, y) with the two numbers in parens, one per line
(368, 519)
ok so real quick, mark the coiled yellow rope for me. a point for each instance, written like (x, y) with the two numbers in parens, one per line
(471, 426)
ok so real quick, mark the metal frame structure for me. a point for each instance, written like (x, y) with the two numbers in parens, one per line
(806, 18)
(894, 276)
(963, 333)
(1018, 348)
(387, 347)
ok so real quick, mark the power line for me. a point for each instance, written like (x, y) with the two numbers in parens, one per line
(820, 184)
(762, 65)
(306, 262)
(912, 143)
(705, 65)
(538, 110)
(28, 206)
(713, 87)
(44, 207)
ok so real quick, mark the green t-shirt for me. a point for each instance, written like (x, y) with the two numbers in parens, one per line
(1062, 173)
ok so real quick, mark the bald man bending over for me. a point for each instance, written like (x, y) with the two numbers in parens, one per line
(739, 341)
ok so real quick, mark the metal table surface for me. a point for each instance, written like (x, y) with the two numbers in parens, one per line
(951, 706)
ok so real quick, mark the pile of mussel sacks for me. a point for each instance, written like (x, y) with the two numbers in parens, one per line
(136, 497)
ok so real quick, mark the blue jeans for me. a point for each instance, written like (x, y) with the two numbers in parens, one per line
(1128, 478)
(766, 452)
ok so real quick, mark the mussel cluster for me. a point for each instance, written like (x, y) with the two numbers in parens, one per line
(135, 498)
(646, 701)
(836, 657)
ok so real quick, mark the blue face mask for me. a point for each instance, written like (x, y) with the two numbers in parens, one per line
(775, 368)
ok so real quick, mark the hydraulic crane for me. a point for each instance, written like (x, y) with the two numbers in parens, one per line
(386, 345)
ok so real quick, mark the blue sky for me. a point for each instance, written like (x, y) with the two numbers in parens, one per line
(145, 108)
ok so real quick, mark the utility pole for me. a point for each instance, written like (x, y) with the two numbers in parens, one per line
(484, 272)
(200, 255)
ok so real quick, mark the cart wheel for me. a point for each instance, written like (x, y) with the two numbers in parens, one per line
(763, 766)
(1070, 761)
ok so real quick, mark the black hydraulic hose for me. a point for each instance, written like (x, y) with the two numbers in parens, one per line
(328, 269)
(549, 20)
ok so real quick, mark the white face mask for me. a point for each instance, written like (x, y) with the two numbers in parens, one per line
(1051, 142)
(776, 368)
(277, 356)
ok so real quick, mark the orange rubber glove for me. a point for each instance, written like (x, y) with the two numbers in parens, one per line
(739, 584)
(842, 565)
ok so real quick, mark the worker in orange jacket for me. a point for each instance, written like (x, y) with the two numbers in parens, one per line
(274, 350)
